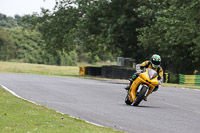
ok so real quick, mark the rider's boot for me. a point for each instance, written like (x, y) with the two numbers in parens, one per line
(128, 87)
(131, 81)
(145, 99)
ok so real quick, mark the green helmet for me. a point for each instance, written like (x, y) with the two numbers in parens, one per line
(155, 61)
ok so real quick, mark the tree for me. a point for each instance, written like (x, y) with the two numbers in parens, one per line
(109, 28)
(56, 28)
(103, 29)
(171, 31)
(7, 21)
(29, 47)
(6, 45)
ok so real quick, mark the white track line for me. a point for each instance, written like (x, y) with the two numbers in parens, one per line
(13, 93)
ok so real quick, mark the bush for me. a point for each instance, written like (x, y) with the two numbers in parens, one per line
(173, 78)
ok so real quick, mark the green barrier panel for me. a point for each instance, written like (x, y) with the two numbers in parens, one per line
(181, 79)
(197, 80)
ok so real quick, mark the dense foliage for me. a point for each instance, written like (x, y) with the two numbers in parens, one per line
(25, 45)
(102, 30)
(6, 45)
(98, 30)
(9, 22)
(172, 30)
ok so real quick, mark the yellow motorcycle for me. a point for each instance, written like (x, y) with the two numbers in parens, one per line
(142, 86)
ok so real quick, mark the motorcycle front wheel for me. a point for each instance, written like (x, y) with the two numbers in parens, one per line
(127, 101)
(140, 96)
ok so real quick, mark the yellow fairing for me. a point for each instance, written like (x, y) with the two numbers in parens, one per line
(144, 79)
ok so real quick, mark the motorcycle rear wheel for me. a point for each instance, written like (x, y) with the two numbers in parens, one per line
(140, 96)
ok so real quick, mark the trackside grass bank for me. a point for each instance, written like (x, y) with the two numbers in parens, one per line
(20, 116)
(181, 86)
(14, 67)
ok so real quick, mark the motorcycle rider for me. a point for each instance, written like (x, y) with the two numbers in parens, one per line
(154, 64)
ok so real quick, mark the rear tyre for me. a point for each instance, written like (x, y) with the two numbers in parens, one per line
(140, 96)
(127, 101)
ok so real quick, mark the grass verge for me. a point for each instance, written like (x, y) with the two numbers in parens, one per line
(14, 67)
(181, 86)
(20, 116)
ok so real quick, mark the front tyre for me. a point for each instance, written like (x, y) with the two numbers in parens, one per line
(140, 96)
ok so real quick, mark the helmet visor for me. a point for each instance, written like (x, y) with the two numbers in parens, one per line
(156, 62)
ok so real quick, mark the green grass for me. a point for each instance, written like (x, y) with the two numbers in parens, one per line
(14, 67)
(20, 116)
(181, 86)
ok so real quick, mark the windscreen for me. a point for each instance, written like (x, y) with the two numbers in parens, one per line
(152, 74)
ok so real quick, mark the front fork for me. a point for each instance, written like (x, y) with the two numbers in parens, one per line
(149, 92)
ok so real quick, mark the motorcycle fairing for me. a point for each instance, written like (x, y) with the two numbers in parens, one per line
(145, 79)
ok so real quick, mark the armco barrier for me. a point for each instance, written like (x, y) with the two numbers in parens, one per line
(189, 79)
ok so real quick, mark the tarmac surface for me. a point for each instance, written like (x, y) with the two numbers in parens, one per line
(169, 110)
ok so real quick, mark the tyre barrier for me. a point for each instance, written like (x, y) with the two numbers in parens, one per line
(93, 71)
(82, 70)
(189, 79)
(115, 72)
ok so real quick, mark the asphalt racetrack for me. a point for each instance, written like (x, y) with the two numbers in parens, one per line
(169, 110)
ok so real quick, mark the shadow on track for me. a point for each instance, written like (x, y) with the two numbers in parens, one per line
(141, 106)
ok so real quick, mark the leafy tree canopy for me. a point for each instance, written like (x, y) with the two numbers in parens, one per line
(172, 30)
